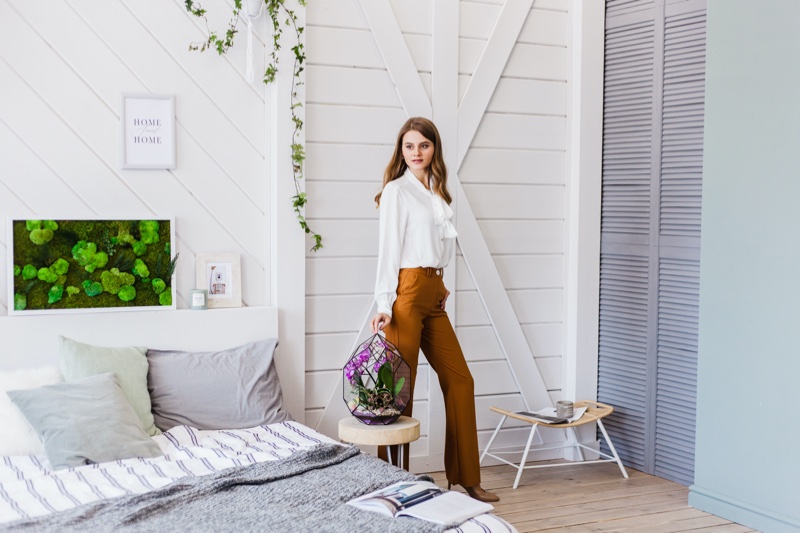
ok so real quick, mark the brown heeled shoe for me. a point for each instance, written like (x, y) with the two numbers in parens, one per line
(477, 492)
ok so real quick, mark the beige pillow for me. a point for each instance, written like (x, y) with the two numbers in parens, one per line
(129, 363)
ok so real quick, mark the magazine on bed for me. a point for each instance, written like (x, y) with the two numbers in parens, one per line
(423, 500)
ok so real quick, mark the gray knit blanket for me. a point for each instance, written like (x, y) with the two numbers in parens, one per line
(304, 492)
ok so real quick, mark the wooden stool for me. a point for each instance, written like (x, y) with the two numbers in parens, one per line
(595, 412)
(403, 431)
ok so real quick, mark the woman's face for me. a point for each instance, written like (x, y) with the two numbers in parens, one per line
(417, 151)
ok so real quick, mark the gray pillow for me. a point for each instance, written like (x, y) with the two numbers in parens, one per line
(79, 360)
(85, 421)
(230, 389)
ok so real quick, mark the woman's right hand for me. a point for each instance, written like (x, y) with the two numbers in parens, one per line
(380, 321)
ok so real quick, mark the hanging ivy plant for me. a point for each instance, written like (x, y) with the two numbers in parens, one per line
(276, 9)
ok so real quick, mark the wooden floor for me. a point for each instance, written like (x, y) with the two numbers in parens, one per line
(595, 498)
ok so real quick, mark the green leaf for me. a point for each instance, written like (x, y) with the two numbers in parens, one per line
(386, 376)
(399, 386)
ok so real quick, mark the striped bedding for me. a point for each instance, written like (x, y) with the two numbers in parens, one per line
(28, 488)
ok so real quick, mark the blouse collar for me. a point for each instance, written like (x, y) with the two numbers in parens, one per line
(442, 213)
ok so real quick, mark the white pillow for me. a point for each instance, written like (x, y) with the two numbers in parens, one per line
(17, 437)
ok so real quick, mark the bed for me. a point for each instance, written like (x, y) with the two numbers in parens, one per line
(194, 451)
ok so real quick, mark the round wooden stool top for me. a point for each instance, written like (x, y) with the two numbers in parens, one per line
(404, 430)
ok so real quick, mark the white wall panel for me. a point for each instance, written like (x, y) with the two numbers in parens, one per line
(332, 199)
(348, 86)
(340, 275)
(520, 272)
(500, 165)
(518, 201)
(334, 161)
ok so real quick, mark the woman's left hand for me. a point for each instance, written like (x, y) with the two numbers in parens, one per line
(444, 300)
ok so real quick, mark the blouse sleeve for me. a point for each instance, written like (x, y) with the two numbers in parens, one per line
(392, 228)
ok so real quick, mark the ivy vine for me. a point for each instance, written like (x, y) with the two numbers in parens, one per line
(276, 9)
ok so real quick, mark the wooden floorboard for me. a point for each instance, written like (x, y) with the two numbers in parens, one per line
(595, 498)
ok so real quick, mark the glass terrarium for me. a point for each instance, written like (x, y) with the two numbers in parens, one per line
(376, 382)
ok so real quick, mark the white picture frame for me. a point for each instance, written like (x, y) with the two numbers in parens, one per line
(147, 131)
(221, 276)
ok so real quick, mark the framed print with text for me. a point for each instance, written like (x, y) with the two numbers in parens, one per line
(147, 131)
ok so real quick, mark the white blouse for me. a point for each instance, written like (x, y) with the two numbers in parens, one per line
(416, 230)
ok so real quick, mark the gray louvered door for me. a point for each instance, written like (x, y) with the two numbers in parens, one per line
(650, 252)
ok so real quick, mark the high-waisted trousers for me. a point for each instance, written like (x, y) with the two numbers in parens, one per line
(418, 322)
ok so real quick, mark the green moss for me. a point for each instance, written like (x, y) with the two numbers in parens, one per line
(113, 280)
(60, 267)
(55, 294)
(148, 231)
(17, 270)
(49, 224)
(87, 256)
(165, 298)
(31, 225)
(158, 285)
(139, 248)
(41, 236)
(92, 288)
(127, 293)
(72, 291)
(20, 302)
(29, 272)
(140, 269)
(47, 275)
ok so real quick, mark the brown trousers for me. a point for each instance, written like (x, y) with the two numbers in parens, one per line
(418, 322)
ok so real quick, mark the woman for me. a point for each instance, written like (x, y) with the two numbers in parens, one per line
(417, 240)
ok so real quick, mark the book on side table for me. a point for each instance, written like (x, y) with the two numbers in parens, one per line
(424, 500)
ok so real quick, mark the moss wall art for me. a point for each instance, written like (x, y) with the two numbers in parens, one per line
(89, 264)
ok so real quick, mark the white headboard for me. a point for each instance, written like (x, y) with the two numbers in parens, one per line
(32, 341)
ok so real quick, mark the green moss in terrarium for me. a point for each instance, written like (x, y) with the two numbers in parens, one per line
(20, 302)
(17, 270)
(72, 290)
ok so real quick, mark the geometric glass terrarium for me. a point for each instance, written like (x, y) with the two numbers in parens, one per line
(376, 382)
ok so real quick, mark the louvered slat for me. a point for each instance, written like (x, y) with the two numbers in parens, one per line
(678, 311)
(622, 351)
(682, 125)
(627, 124)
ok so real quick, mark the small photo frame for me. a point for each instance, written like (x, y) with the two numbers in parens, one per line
(147, 131)
(221, 276)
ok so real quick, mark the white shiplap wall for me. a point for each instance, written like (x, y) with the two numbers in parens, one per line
(64, 65)
(513, 175)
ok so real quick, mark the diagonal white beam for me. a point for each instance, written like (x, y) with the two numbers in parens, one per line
(396, 57)
(470, 238)
(487, 73)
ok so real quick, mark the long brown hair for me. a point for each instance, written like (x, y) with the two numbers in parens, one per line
(397, 165)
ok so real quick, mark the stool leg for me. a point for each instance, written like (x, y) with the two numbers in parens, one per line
(611, 447)
(400, 457)
(389, 454)
(525, 455)
(496, 431)
(574, 435)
